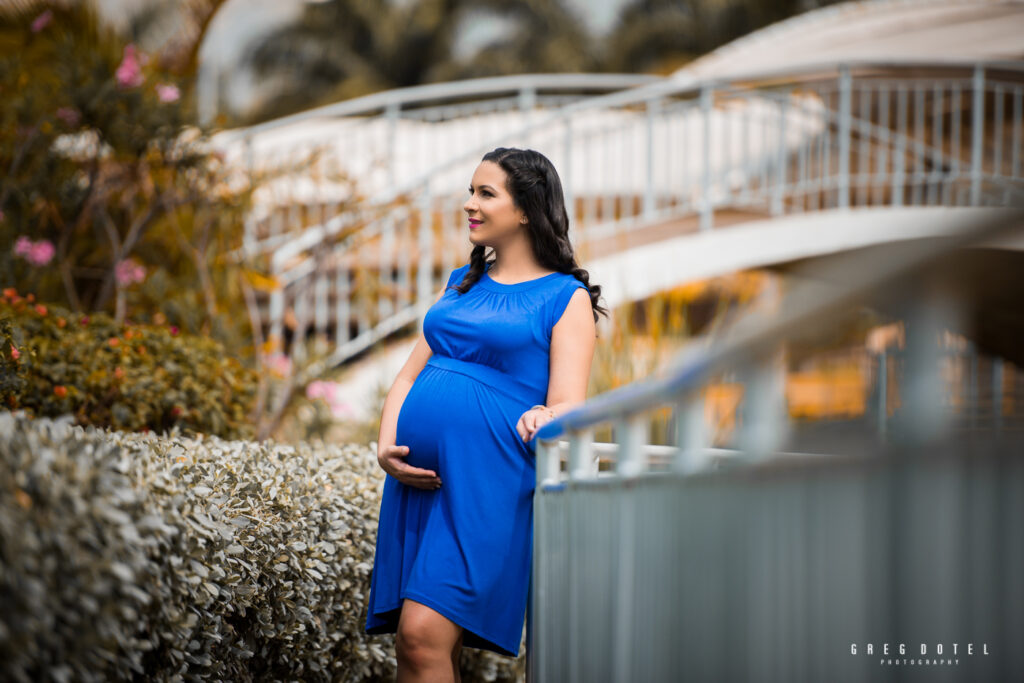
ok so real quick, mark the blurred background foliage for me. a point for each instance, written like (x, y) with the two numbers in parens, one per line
(338, 49)
(128, 377)
(111, 198)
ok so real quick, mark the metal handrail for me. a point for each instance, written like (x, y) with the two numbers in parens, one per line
(643, 94)
(672, 86)
(401, 97)
(681, 86)
(772, 176)
(809, 307)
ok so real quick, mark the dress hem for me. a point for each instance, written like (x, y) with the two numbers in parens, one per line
(486, 641)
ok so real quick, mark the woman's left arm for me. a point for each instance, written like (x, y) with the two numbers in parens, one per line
(573, 339)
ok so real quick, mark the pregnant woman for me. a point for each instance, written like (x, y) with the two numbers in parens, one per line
(505, 348)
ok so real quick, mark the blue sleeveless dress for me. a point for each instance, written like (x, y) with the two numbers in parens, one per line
(464, 549)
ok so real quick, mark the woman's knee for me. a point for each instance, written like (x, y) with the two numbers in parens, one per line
(423, 637)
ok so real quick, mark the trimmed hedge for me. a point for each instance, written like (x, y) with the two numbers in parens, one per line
(127, 377)
(172, 558)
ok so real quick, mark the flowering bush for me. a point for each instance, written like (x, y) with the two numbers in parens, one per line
(129, 71)
(37, 253)
(129, 271)
(331, 394)
(125, 376)
(112, 200)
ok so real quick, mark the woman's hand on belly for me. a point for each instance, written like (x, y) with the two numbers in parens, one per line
(390, 460)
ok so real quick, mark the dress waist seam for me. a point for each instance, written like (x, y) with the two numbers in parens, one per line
(486, 375)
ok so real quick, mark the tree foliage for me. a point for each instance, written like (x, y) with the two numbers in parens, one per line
(345, 48)
(103, 165)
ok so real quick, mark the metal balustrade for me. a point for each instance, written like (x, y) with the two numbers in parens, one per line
(379, 139)
(673, 562)
(672, 155)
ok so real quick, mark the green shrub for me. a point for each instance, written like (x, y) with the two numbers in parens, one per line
(126, 377)
(127, 555)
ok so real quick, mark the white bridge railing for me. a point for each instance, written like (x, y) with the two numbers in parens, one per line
(768, 560)
(676, 154)
(383, 139)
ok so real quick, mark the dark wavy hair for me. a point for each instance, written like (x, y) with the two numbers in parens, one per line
(536, 190)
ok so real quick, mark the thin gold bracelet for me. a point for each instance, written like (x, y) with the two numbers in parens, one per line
(551, 413)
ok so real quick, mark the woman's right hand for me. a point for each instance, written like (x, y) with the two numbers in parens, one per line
(390, 460)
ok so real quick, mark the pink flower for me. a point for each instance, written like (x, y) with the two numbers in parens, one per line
(174, 330)
(22, 246)
(129, 72)
(15, 353)
(167, 93)
(37, 253)
(129, 271)
(42, 21)
(68, 115)
(316, 389)
(278, 364)
(331, 393)
(42, 253)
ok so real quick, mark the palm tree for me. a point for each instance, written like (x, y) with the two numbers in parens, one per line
(541, 37)
(662, 35)
(345, 48)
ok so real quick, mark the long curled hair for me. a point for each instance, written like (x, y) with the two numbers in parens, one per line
(536, 191)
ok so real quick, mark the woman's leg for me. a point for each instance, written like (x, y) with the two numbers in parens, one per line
(424, 644)
(456, 651)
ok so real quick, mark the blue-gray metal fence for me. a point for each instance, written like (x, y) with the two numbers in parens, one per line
(776, 564)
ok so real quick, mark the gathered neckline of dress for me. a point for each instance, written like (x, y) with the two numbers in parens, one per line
(490, 283)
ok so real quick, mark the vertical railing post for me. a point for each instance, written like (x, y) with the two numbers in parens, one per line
(392, 113)
(780, 159)
(567, 190)
(540, 589)
(883, 391)
(249, 236)
(387, 250)
(690, 434)
(301, 306)
(342, 292)
(922, 385)
(765, 419)
(581, 455)
(900, 153)
(578, 467)
(972, 384)
(653, 109)
(276, 335)
(977, 132)
(527, 103)
(403, 260)
(706, 208)
(549, 463)
(276, 313)
(320, 310)
(845, 113)
(631, 434)
(527, 98)
(997, 394)
(425, 268)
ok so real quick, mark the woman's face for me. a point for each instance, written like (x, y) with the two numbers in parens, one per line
(493, 216)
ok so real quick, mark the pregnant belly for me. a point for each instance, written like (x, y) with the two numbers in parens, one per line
(420, 422)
